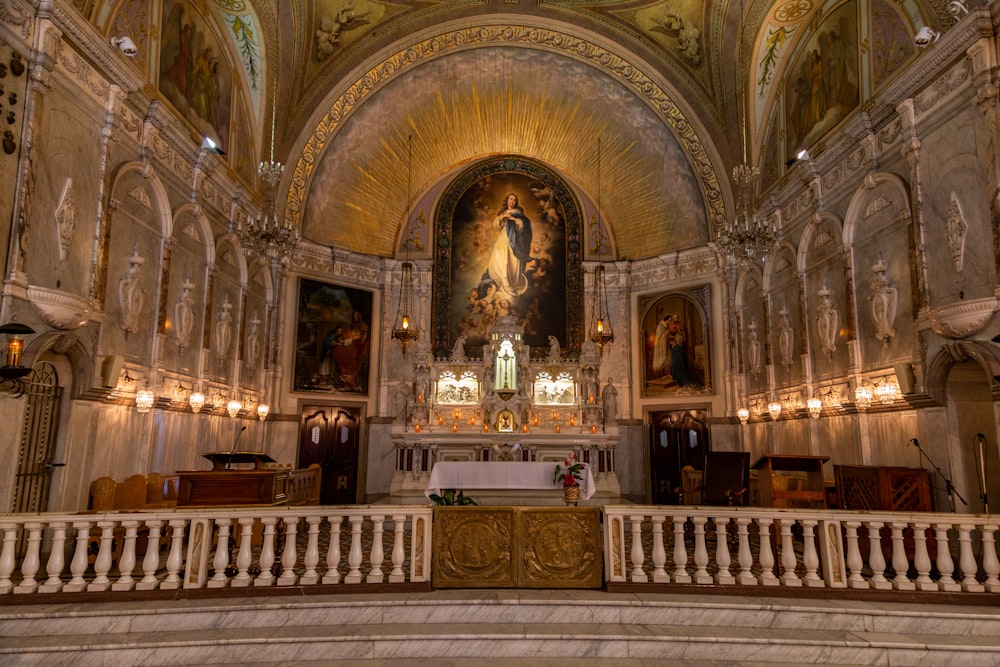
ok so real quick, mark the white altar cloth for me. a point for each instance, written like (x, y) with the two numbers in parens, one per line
(466, 475)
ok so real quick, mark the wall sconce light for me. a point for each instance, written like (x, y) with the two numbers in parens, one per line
(863, 397)
(744, 415)
(144, 399)
(887, 392)
(233, 408)
(774, 409)
(13, 371)
(197, 401)
(263, 410)
(815, 407)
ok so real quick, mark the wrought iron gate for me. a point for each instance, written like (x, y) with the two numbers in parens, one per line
(38, 441)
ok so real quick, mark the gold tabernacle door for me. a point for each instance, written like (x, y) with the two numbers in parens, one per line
(517, 547)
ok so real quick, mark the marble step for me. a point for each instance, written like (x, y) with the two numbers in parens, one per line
(501, 625)
(243, 646)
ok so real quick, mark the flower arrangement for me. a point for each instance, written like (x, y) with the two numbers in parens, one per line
(570, 472)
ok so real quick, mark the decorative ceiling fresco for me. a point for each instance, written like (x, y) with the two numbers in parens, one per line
(670, 88)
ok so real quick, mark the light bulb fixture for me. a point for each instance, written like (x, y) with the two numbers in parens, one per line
(266, 235)
(263, 410)
(233, 408)
(815, 407)
(744, 237)
(12, 372)
(197, 401)
(743, 414)
(774, 409)
(887, 392)
(144, 399)
(404, 331)
(601, 330)
(862, 397)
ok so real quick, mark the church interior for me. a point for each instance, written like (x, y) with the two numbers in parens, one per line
(385, 240)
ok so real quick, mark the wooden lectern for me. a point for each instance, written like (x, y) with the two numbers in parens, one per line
(219, 486)
(223, 460)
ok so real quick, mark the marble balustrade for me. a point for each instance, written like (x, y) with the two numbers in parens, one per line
(654, 545)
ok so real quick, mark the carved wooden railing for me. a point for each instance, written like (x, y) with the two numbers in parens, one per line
(225, 547)
(823, 548)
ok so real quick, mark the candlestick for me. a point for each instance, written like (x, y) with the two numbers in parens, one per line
(454, 427)
(524, 428)
(593, 428)
(486, 428)
(440, 420)
(416, 428)
(572, 421)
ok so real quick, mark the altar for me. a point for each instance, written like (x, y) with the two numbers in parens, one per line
(502, 476)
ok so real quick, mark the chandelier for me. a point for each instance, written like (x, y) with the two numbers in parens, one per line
(745, 237)
(267, 235)
(403, 330)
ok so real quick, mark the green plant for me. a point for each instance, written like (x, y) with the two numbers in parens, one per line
(449, 497)
(571, 474)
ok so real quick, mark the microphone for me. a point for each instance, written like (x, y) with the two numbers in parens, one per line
(913, 441)
(229, 465)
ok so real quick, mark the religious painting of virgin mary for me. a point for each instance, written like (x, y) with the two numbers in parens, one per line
(333, 341)
(675, 343)
(508, 246)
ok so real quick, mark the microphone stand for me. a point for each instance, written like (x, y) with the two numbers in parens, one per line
(232, 452)
(949, 487)
(981, 471)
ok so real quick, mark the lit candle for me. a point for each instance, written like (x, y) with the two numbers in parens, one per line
(416, 428)
(472, 421)
(593, 428)
(454, 427)
(590, 399)
(457, 415)
(524, 428)
(554, 415)
(420, 397)
(535, 420)
(572, 421)
(440, 420)
(558, 429)
(486, 428)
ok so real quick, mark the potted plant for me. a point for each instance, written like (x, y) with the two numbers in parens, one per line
(449, 498)
(569, 474)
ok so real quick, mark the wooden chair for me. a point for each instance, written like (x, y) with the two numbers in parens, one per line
(726, 480)
(102, 494)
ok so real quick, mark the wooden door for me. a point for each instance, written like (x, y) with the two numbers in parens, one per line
(677, 438)
(330, 436)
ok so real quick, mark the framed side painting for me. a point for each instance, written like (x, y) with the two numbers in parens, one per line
(675, 343)
(333, 338)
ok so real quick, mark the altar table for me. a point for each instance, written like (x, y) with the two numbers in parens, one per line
(465, 475)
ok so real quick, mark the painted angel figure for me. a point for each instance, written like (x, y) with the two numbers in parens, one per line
(827, 322)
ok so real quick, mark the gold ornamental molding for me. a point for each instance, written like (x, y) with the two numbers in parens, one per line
(579, 49)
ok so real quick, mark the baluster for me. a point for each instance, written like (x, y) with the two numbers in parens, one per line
(103, 563)
(788, 560)
(810, 558)
(151, 563)
(680, 552)
(945, 564)
(701, 575)
(659, 554)
(288, 556)
(876, 559)
(921, 559)
(375, 576)
(7, 557)
(744, 555)
(854, 562)
(31, 562)
(398, 552)
(310, 576)
(78, 566)
(57, 559)
(766, 556)
(966, 559)
(126, 564)
(221, 560)
(722, 557)
(900, 563)
(244, 555)
(266, 577)
(354, 557)
(991, 566)
(175, 557)
(332, 575)
(638, 553)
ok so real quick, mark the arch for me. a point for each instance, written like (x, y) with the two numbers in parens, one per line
(499, 31)
(784, 250)
(230, 240)
(743, 284)
(195, 211)
(148, 173)
(70, 346)
(861, 208)
(812, 234)
(953, 352)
